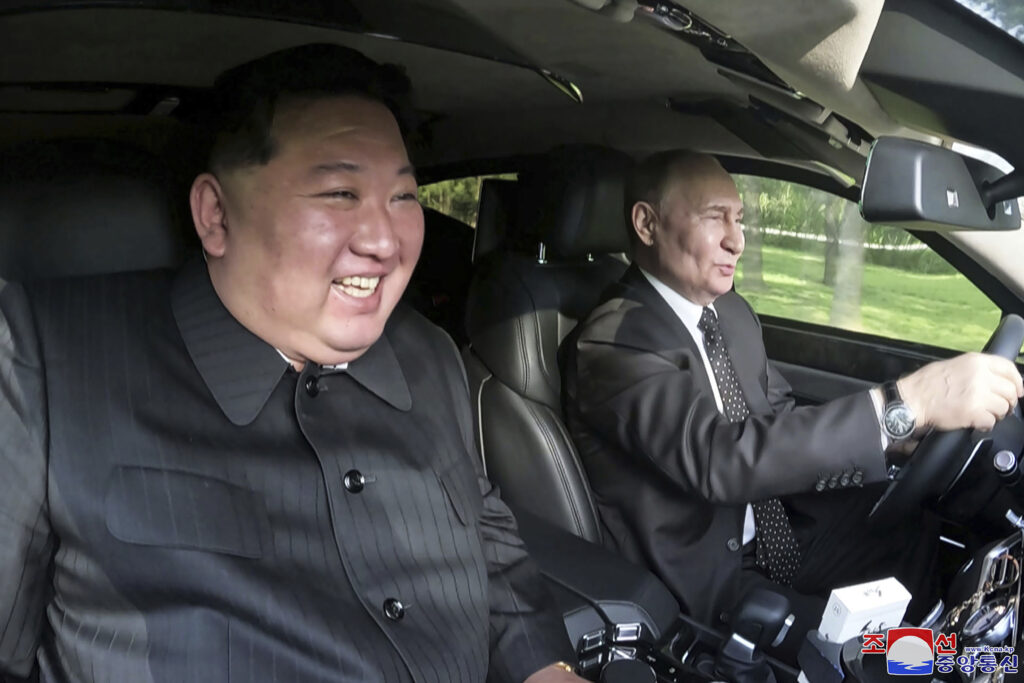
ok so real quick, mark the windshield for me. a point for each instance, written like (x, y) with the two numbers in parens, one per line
(1006, 14)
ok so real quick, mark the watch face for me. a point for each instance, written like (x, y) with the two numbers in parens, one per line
(899, 421)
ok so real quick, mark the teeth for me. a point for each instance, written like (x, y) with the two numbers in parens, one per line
(359, 287)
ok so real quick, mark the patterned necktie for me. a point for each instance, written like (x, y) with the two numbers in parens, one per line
(777, 549)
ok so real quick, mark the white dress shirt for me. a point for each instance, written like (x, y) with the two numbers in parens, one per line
(327, 368)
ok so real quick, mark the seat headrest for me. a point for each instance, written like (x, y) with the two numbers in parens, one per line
(495, 215)
(84, 207)
(576, 197)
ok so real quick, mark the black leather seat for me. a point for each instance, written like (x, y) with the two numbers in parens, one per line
(499, 200)
(83, 206)
(521, 307)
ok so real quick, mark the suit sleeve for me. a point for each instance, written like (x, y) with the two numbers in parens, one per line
(640, 394)
(526, 631)
(779, 392)
(25, 534)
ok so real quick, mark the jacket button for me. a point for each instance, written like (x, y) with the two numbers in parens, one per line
(844, 480)
(394, 609)
(833, 481)
(857, 478)
(732, 544)
(820, 486)
(354, 481)
(312, 386)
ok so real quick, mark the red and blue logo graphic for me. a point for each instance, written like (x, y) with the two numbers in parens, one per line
(909, 651)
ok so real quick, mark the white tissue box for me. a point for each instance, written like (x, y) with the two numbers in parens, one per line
(868, 607)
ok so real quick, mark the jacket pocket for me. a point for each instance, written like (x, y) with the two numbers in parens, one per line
(172, 509)
(463, 492)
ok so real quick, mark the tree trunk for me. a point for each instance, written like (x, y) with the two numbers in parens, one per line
(752, 261)
(849, 271)
(833, 216)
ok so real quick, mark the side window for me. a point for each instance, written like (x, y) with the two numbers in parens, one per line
(458, 198)
(810, 257)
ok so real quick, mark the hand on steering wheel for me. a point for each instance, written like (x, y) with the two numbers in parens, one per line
(940, 457)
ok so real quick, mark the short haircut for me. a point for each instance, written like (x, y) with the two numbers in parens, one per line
(247, 96)
(648, 180)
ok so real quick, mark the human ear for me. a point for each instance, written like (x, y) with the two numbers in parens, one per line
(645, 222)
(209, 214)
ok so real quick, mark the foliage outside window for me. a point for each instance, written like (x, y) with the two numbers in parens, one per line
(1006, 14)
(459, 197)
(810, 257)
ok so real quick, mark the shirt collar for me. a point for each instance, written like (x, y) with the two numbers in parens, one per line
(241, 370)
(340, 367)
(687, 311)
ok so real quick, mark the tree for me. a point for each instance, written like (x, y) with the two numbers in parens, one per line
(849, 270)
(832, 212)
(750, 191)
(1006, 14)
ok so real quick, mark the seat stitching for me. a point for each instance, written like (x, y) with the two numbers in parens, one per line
(480, 421)
(578, 467)
(549, 439)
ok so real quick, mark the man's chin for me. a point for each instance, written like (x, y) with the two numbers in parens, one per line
(350, 347)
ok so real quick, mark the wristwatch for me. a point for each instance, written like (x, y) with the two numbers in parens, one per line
(565, 667)
(898, 420)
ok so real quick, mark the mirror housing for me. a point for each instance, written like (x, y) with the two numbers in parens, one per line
(915, 184)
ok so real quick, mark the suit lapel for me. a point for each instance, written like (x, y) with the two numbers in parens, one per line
(637, 288)
(741, 335)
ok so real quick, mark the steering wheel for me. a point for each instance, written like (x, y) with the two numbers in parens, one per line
(940, 458)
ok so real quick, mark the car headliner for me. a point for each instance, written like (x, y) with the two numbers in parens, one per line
(855, 70)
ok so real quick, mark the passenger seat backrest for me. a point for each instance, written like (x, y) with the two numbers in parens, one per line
(495, 215)
(82, 207)
(522, 306)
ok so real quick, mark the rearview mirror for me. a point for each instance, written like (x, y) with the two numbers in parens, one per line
(912, 183)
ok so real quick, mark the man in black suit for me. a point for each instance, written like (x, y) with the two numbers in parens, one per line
(687, 433)
(261, 468)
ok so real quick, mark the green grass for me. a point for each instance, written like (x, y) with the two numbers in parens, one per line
(941, 310)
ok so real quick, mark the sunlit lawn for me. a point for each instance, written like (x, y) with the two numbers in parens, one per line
(941, 310)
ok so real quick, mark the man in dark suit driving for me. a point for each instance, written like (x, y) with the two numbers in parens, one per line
(689, 436)
(261, 468)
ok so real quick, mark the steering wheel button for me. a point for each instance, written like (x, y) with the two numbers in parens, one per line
(1004, 461)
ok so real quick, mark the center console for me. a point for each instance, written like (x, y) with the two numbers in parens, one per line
(616, 611)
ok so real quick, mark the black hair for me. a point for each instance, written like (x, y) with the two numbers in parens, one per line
(647, 181)
(247, 96)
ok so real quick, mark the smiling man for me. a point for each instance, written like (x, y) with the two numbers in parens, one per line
(689, 436)
(261, 468)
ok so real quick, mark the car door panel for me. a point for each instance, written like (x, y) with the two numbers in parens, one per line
(823, 363)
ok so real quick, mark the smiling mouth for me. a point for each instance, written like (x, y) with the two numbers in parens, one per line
(358, 287)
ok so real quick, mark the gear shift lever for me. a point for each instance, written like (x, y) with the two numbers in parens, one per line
(762, 620)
